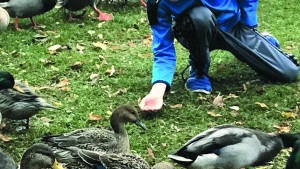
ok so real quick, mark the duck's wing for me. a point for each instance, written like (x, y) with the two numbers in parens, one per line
(94, 139)
(208, 142)
(111, 160)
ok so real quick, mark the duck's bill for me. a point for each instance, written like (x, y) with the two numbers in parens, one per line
(56, 165)
(142, 125)
(19, 89)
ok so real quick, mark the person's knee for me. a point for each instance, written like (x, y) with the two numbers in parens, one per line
(202, 18)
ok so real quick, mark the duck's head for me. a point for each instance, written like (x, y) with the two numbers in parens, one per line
(39, 156)
(126, 114)
(7, 81)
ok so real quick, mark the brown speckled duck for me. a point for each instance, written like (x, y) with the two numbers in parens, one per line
(97, 139)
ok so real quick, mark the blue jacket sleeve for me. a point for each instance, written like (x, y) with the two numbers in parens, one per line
(164, 54)
(248, 12)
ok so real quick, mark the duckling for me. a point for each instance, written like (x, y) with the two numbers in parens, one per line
(39, 156)
(18, 101)
(6, 161)
(231, 147)
(97, 139)
(293, 161)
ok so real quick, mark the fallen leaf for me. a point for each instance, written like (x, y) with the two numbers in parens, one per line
(63, 83)
(164, 144)
(4, 138)
(100, 45)
(245, 87)
(91, 32)
(46, 121)
(79, 48)
(231, 96)
(109, 112)
(111, 71)
(115, 47)
(218, 101)
(288, 115)
(236, 108)
(100, 36)
(150, 153)
(53, 49)
(76, 65)
(57, 103)
(54, 68)
(213, 114)
(238, 123)
(94, 117)
(93, 76)
(176, 106)
(282, 129)
(261, 104)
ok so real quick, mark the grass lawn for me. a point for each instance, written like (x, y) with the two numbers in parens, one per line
(109, 64)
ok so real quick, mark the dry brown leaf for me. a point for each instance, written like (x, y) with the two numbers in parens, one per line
(4, 138)
(94, 117)
(238, 123)
(213, 114)
(218, 101)
(63, 83)
(231, 96)
(164, 144)
(245, 87)
(53, 49)
(283, 129)
(288, 114)
(54, 68)
(79, 48)
(111, 71)
(148, 54)
(176, 106)
(236, 108)
(131, 44)
(150, 153)
(261, 104)
(91, 32)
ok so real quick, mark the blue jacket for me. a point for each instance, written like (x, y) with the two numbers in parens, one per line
(161, 12)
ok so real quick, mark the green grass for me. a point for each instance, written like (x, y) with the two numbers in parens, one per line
(128, 52)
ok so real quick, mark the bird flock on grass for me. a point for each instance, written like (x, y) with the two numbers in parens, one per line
(220, 147)
(30, 8)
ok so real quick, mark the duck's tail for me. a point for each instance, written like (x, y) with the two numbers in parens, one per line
(4, 5)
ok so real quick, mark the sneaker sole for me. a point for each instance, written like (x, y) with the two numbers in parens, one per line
(198, 90)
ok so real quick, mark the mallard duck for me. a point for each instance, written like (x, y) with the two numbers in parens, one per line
(27, 9)
(231, 147)
(293, 161)
(97, 139)
(6, 161)
(39, 156)
(4, 19)
(18, 101)
(35, 157)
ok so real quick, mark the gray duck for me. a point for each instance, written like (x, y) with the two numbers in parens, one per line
(98, 139)
(76, 5)
(231, 147)
(27, 9)
(4, 19)
(18, 102)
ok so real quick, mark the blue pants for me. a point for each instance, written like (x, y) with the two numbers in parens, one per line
(198, 32)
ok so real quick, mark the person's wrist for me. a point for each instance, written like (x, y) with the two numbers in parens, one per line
(158, 89)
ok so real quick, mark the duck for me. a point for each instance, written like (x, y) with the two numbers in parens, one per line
(231, 147)
(18, 101)
(101, 160)
(4, 19)
(39, 156)
(100, 139)
(27, 9)
(36, 156)
(7, 162)
(76, 5)
(293, 161)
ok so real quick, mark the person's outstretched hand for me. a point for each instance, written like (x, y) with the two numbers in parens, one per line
(154, 100)
(151, 102)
